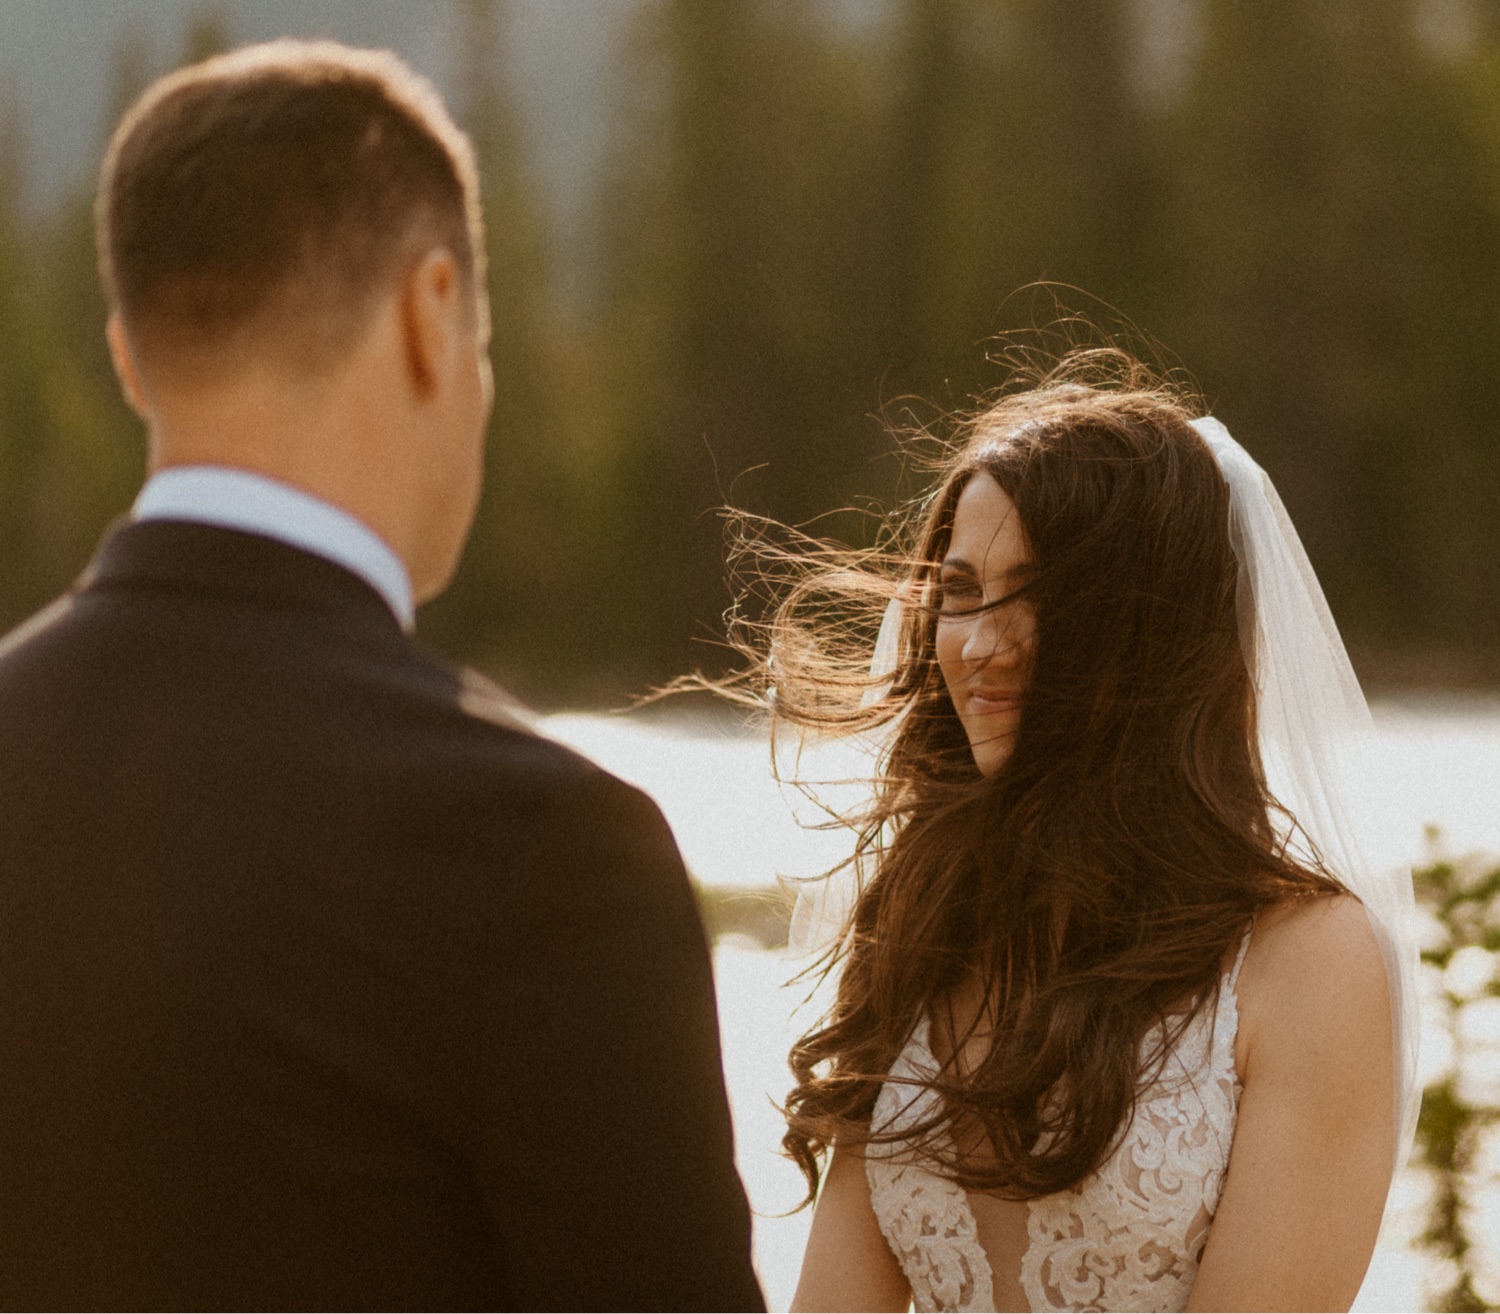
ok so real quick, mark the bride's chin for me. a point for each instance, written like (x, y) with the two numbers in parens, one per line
(992, 751)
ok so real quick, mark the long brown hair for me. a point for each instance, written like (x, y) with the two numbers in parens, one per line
(1095, 884)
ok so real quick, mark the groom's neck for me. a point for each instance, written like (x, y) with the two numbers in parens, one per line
(389, 428)
(334, 432)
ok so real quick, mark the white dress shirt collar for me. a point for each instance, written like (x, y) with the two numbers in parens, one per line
(254, 504)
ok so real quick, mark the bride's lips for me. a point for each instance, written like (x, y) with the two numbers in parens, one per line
(989, 701)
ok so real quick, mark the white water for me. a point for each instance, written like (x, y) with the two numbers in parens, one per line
(736, 827)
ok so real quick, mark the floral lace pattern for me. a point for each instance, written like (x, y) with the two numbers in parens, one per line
(925, 1218)
(1128, 1237)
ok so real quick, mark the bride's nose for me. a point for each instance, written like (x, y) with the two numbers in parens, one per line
(994, 639)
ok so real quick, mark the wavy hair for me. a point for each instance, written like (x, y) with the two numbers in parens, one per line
(1094, 885)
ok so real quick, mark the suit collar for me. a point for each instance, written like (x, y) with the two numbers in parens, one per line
(254, 504)
(181, 556)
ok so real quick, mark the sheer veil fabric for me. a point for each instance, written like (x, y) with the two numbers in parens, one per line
(1314, 727)
(1315, 731)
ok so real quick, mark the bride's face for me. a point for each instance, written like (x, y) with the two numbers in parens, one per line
(986, 628)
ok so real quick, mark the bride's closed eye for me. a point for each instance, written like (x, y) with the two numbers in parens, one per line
(961, 595)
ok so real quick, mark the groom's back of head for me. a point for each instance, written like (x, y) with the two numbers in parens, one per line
(261, 202)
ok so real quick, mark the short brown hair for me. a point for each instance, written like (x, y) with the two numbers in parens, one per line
(293, 177)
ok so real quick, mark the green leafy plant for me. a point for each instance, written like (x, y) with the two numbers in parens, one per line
(1460, 906)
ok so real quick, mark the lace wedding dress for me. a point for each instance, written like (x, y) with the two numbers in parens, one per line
(1128, 1237)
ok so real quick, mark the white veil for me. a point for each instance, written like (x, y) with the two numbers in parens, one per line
(1314, 727)
(1315, 731)
(820, 916)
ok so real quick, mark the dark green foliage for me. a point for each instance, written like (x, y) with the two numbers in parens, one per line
(1333, 208)
(1462, 896)
(804, 219)
(810, 221)
(208, 33)
(70, 457)
(509, 601)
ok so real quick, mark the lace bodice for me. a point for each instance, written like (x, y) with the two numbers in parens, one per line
(1128, 1237)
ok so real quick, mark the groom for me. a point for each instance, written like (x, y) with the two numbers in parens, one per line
(323, 982)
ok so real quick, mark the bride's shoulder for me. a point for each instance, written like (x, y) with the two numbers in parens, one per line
(1313, 981)
(1314, 933)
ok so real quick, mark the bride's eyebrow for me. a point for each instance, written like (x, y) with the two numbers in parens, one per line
(1019, 571)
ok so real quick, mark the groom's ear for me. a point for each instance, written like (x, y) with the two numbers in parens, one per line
(124, 363)
(431, 306)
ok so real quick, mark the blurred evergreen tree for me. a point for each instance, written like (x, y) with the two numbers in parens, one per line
(807, 216)
(813, 220)
(1333, 287)
(24, 418)
(738, 297)
(74, 453)
(129, 74)
(69, 452)
(208, 32)
(1018, 153)
(515, 603)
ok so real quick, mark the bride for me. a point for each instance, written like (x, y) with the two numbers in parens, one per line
(1124, 1016)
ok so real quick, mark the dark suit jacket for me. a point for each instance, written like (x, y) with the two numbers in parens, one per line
(323, 983)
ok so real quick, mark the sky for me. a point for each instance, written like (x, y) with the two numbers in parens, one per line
(55, 67)
(55, 58)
